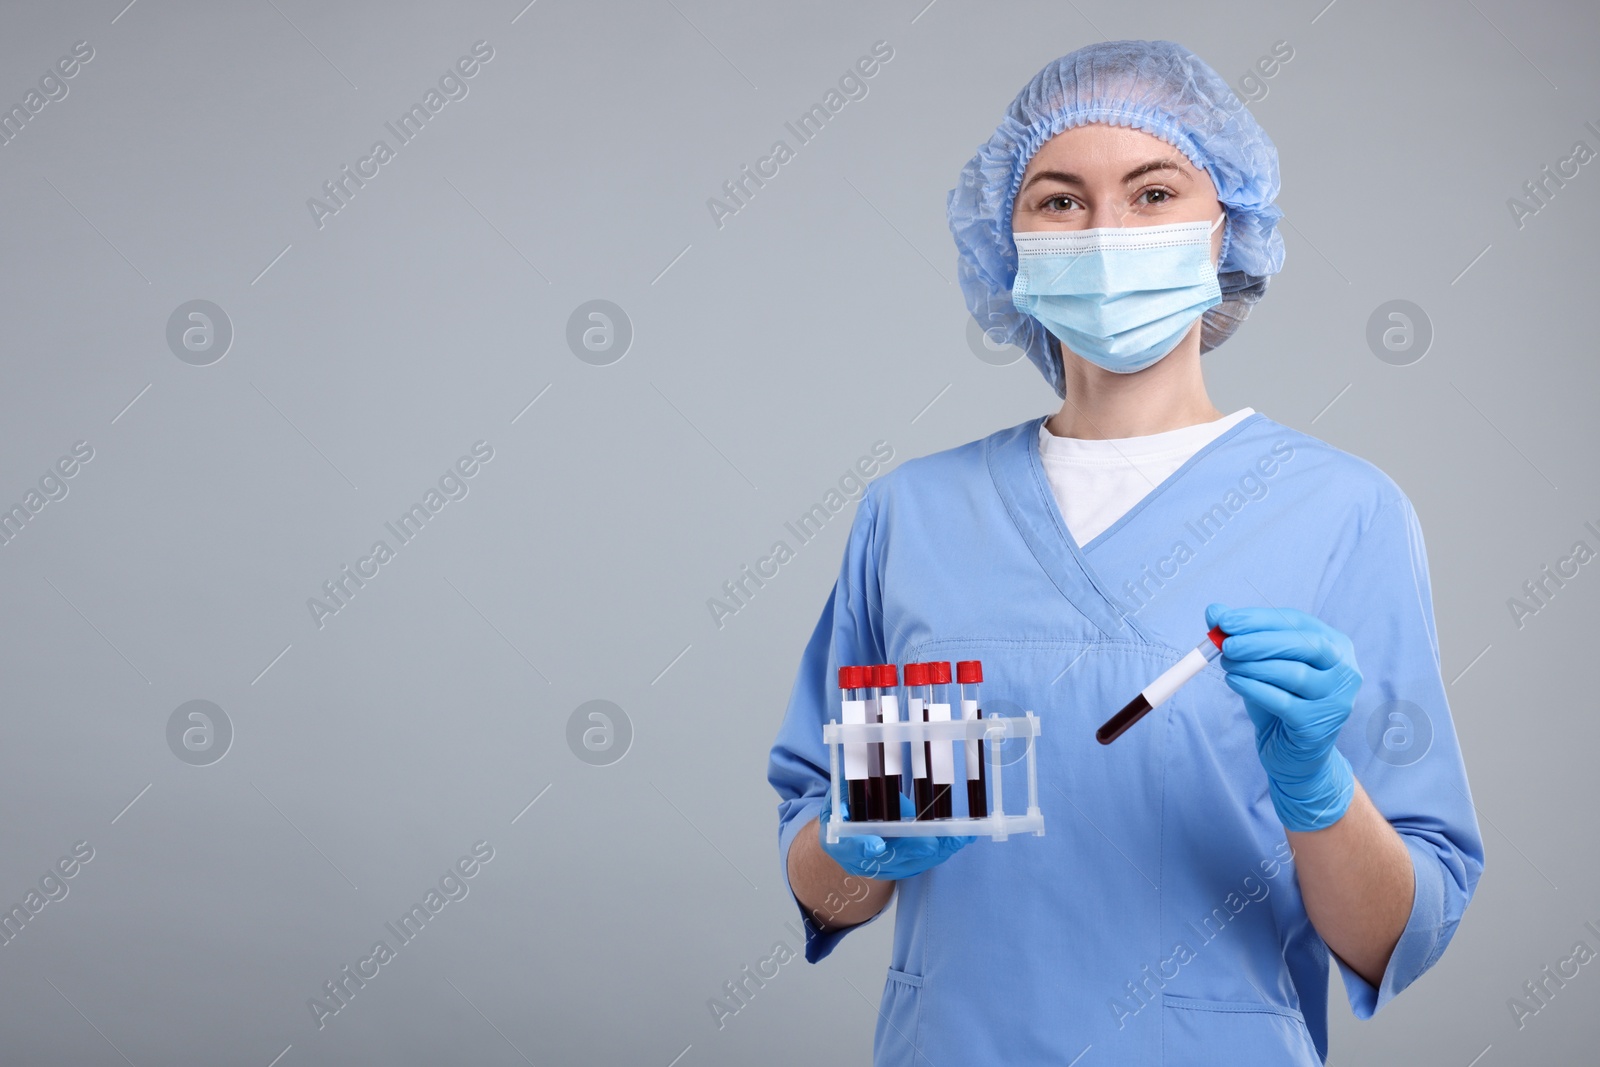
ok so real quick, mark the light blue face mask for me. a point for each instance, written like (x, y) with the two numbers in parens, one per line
(1120, 296)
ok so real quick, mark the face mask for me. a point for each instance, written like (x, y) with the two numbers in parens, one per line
(1121, 297)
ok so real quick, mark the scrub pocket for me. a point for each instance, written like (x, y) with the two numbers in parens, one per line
(896, 1042)
(1203, 1033)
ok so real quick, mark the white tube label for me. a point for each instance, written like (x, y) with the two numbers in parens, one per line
(969, 710)
(1158, 691)
(893, 754)
(874, 752)
(919, 753)
(944, 766)
(855, 752)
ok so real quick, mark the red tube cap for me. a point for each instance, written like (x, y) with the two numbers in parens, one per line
(916, 674)
(940, 672)
(888, 676)
(852, 677)
(1216, 635)
(969, 671)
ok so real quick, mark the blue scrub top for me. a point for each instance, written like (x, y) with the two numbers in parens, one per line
(1159, 920)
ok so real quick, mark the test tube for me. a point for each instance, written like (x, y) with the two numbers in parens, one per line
(917, 693)
(851, 681)
(969, 675)
(875, 787)
(893, 752)
(1157, 692)
(941, 762)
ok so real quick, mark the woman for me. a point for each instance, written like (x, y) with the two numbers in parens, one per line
(1198, 871)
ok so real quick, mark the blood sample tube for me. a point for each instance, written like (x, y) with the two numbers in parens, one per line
(969, 675)
(875, 787)
(1157, 692)
(941, 762)
(916, 675)
(893, 753)
(851, 681)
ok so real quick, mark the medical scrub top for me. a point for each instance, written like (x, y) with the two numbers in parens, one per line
(1159, 919)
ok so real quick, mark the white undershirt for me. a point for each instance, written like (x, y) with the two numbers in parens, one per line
(1095, 483)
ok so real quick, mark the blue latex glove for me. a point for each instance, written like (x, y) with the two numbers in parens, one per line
(870, 856)
(1298, 677)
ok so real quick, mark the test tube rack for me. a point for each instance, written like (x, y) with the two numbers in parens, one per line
(994, 729)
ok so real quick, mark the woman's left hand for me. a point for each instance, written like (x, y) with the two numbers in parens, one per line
(1298, 678)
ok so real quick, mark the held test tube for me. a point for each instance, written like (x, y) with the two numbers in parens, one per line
(969, 675)
(941, 760)
(893, 754)
(1157, 692)
(916, 676)
(854, 711)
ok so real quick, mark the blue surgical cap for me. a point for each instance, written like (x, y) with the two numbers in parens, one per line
(1168, 92)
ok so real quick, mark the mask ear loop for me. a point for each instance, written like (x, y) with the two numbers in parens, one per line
(1222, 256)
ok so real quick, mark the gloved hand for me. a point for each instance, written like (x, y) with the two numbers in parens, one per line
(1298, 677)
(870, 856)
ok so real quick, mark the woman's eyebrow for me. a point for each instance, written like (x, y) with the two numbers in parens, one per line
(1068, 178)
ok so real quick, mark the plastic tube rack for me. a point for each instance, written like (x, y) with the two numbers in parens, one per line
(992, 730)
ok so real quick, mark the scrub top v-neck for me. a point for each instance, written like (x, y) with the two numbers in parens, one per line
(1096, 481)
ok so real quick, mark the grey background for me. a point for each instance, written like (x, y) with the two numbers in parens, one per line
(767, 356)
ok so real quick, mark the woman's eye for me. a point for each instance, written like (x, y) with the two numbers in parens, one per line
(1161, 195)
(1058, 203)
